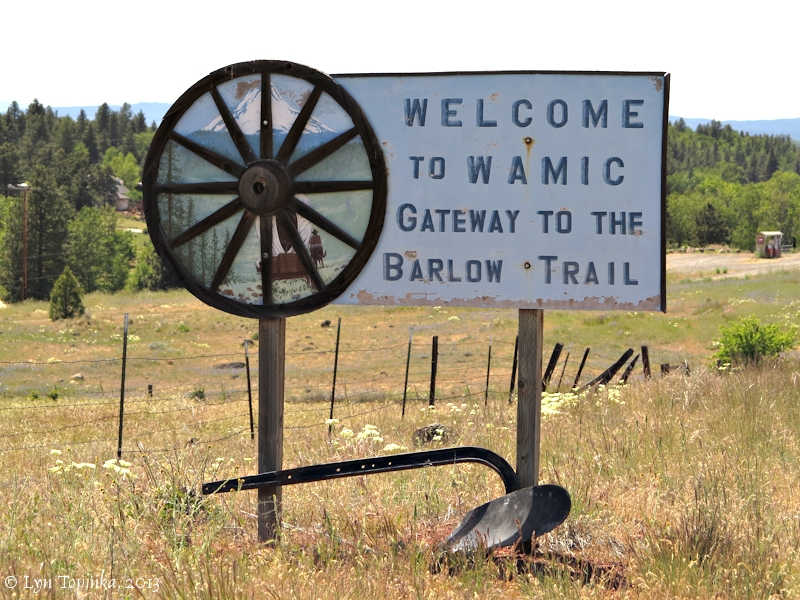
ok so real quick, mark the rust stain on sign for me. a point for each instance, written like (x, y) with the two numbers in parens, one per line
(529, 142)
(659, 83)
(652, 303)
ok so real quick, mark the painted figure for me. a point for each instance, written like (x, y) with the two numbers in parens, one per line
(315, 248)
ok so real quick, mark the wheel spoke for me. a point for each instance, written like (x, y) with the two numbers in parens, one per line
(233, 128)
(207, 187)
(266, 259)
(225, 212)
(322, 222)
(218, 160)
(321, 187)
(232, 250)
(289, 144)
(301, 250)
(318, 154)
(266, 116)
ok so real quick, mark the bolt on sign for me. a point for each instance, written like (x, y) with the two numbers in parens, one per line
(273, 189)
(523, 190)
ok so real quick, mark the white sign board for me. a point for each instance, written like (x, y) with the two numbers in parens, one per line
(518, 190)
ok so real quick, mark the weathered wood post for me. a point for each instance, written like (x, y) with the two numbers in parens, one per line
(646, 362)
(335, 370)
(122, 385)
(488, 372)
(551, 366)
(249, 388)
(513, 371)
(529, 403)
(580, 368)
(434, 368)
(561, 377)
(271, 372)
(408, 364)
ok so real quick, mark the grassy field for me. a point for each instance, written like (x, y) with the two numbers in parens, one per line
(682, 487)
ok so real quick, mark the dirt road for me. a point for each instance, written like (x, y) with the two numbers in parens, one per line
(737, 265)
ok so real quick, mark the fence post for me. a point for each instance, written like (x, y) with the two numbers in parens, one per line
(122, 385)
(150, 390)
(408, 363)
(335, 369)
(434, 366)
(580, 369)
(551, 366)
(609, 373)
(628, 370)
(249, 388)
(488, 370)
(513, 371)
(564, 368)
(646, 361)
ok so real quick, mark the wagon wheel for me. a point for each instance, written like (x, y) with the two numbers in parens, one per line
(244, 166)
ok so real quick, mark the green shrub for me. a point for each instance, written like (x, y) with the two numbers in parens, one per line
(150, 273)
(748, 341)
(66, 299)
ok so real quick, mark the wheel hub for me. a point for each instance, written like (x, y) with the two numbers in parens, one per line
(264, 187)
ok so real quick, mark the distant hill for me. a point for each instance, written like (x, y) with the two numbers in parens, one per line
(790, 127)
(153, 111)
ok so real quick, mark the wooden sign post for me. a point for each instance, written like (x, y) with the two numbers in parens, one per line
(271, 374)
(529, 399)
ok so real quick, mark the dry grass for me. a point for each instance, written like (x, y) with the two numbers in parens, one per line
(682, 488)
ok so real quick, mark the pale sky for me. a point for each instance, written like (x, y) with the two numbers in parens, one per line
(729, 61)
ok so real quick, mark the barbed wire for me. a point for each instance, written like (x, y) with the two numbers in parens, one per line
(204, 397)
(193, 443)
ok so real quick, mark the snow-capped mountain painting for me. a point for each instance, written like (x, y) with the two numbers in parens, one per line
(203, 124)
(248, 115)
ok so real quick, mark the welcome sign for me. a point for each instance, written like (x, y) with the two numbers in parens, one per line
(518, 190)
(273, 189)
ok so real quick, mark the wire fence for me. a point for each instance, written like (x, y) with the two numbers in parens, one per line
(175, 401)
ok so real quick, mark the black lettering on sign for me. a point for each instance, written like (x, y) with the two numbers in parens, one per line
(479, 166)
(415, 109)
(472, 271)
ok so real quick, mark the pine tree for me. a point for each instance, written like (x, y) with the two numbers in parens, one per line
(89, 140)
(9, 160)
(80, 124)
(711, 228)
(191, 245)
(772, 164)
(49, 212)
(102, 121)
(139, 123)
(66, 298)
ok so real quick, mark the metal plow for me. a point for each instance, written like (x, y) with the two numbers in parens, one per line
(518, 516)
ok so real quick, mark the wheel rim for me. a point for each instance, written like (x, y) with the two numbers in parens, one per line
(265, 189)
